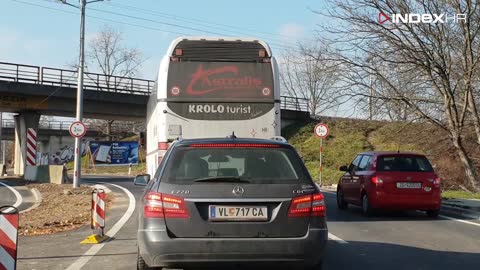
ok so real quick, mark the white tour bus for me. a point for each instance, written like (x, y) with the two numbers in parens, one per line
(211, 87)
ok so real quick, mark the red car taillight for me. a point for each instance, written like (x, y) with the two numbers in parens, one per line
(158, 205)
(436, 182)
(308, 205)
(376, 181)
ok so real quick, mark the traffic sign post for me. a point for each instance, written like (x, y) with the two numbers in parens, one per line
(321, 130)
(77, 130)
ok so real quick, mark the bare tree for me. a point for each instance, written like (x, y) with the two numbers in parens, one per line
(107, 55)
(437, 60)
(306, 73)
(120, 128)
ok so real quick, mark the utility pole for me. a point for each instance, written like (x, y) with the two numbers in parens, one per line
(81, 68)
(370, 99)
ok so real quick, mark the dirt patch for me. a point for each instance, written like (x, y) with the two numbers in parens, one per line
(63, 208)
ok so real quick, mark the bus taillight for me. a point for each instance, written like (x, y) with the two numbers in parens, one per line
(163, 145)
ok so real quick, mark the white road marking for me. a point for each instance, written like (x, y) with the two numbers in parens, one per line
(17, 195)
(80, 262)
(460, 220)
(38, 200)
(336, 238)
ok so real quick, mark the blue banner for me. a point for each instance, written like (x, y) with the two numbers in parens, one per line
(114, 153)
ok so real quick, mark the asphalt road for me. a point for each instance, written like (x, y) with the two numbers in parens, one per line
(386, 241)
(12, 194)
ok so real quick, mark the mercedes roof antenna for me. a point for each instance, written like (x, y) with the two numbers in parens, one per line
(233, 135)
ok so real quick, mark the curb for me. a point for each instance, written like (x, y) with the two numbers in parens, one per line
(455, 212)
(38, 200)
(454, 209)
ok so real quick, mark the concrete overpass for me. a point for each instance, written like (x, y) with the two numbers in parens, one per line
(32, 91)
(52, 91)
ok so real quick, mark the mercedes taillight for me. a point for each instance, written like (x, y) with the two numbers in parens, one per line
(158, 205)
(308, 205)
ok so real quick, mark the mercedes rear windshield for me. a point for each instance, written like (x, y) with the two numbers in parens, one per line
(201, 163)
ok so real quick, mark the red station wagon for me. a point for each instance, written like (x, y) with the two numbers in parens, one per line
(391, 181)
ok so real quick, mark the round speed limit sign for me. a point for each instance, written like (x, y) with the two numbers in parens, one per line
(77, 129)
(321, 130)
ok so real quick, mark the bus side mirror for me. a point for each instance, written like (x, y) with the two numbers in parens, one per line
(141, 180)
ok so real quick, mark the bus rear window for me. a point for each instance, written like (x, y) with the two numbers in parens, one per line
(404, 164)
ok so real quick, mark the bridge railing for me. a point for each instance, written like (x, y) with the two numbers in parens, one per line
(19, 73)
(96, 81)
(294, 103)
(68, 78)
(7, 123)
(100, 82)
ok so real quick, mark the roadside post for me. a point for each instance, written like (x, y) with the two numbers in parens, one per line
(321, 130)
(97, 217)
(77, 130)
(8, 237)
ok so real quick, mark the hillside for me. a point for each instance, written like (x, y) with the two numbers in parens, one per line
(349, 137)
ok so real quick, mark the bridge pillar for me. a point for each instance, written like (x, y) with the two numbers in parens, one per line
(23, 121)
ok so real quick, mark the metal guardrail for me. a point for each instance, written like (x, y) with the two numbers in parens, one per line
(294, 103)
(68, 78)
(100, 82)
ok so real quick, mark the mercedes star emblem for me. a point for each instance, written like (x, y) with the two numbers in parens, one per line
(238, 191)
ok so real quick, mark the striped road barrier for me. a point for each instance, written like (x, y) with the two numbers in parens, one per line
(97, 217)
(98, 209)
(8, 237)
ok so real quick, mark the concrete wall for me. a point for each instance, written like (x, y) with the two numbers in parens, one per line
(46, 174)
(290, 117)
(58, 150)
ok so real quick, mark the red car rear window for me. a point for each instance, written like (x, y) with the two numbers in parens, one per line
(403, 164)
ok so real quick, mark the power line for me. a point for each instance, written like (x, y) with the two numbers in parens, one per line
(99, 18)
(172, 16)
(159, 22)
(273, 44)
(177, 25)
(209, 24)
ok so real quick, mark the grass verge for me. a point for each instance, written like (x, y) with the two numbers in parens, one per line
(460, 194)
